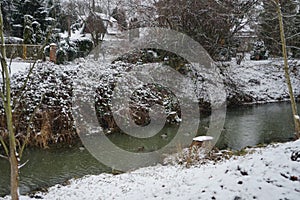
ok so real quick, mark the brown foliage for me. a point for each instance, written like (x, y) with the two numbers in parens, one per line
(49, 126)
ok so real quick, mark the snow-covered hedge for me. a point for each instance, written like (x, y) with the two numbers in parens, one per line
(45, 104)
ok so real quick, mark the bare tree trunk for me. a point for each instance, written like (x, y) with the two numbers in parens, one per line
(93, 6)
(14, 170)
(286, 69)
(6, 96)
(69, 25)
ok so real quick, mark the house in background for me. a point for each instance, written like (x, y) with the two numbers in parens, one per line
(100, 24)
(247, 37)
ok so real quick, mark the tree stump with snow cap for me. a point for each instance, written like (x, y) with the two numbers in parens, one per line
(198, 144)
(200, 141)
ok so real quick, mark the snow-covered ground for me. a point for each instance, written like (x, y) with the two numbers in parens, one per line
(264, 173)
(259, 81)
(19, 66)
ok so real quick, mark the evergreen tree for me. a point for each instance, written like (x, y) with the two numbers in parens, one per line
(259, 51)
(38, 33)
(28, 30)
(7, 9)
(17, 21)
(54, 8)
(44, 14)
(30, 7)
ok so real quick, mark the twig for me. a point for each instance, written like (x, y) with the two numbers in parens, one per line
(28, 126)
(22, 165)
(4, 146)
(22, 91)
(5, 157)
(2, 96)
(9, 65)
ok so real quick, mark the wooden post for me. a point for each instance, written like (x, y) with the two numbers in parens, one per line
(197, 143)
(201, 140)
(24, 51)
(53, 52)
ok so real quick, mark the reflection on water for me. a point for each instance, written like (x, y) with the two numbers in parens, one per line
(245, 126)
(252, 125)
(49, 167)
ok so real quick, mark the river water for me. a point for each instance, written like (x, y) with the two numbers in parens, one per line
(244, 126)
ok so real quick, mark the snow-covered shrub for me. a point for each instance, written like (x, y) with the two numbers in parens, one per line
(152, 56)
(141, 101)
(61, 56)
(259, 51)
(38, 33)
(71, 53)
(224, 54)
(50, 89)
(85, 46)
(68, 51)
(70, 48)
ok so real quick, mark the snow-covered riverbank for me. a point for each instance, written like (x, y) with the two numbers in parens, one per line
(265, 173)
(259, 81)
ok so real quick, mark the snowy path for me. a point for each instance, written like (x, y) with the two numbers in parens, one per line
(264, 174)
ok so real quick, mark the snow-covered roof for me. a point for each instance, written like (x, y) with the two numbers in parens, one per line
(105, 17)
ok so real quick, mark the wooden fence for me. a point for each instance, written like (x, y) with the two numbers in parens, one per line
(24, 51)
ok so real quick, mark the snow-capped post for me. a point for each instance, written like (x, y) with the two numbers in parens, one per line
(286, 68)
(53, 48)
(201, 140)
(197, 143)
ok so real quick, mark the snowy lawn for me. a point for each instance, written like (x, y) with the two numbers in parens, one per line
(264, 173)
(19, 66)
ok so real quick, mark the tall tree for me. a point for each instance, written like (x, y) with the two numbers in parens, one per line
(7, 10)
(212, 23)
(6, 99)
(286, 66)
